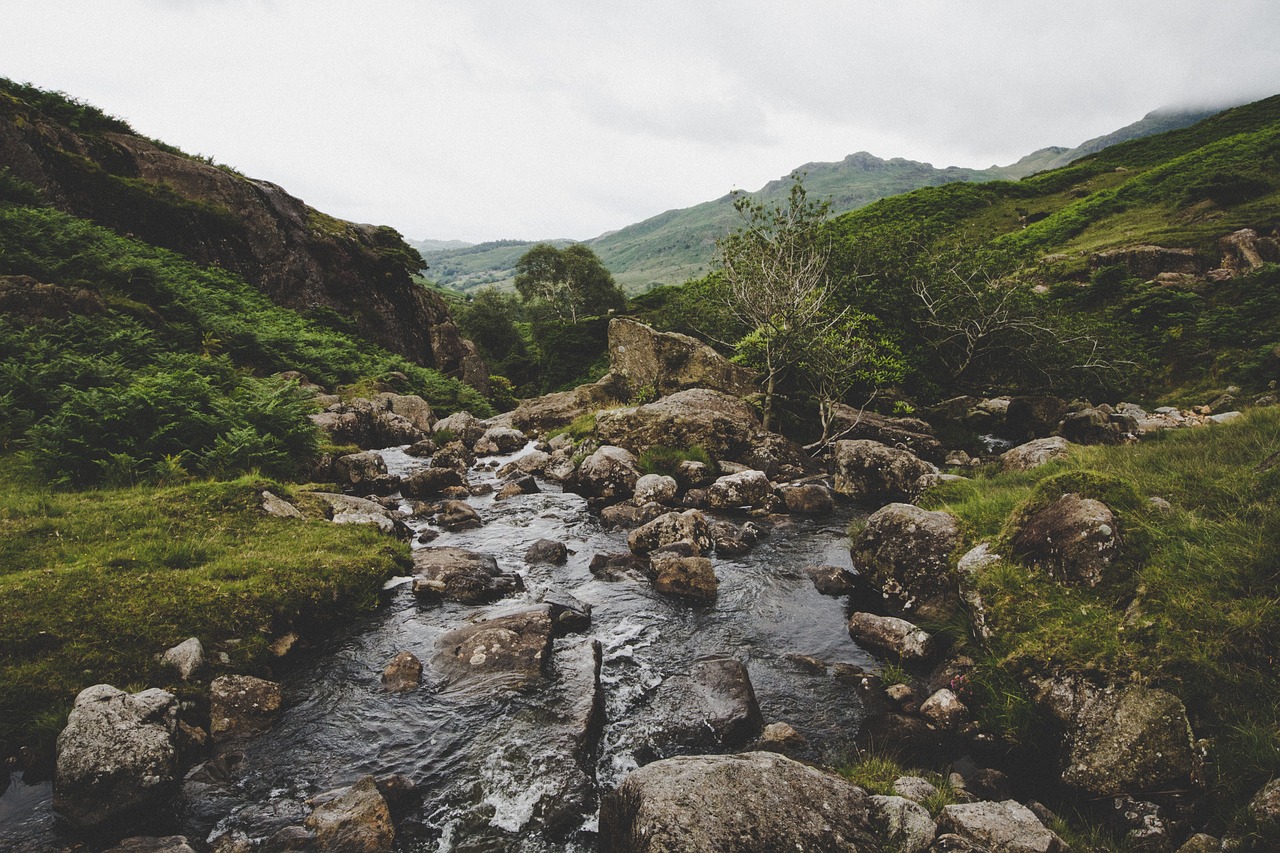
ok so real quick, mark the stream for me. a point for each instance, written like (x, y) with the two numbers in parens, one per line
(482, 758)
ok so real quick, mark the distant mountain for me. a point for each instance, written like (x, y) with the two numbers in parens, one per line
(677, 245)
(437, 245)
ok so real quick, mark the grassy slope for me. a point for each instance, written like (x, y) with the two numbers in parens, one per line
(1191, 607)
(94, 584)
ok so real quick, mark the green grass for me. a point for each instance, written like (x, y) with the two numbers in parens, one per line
(875, 772)
(94, 584)
(1192, 605)
(666, 460)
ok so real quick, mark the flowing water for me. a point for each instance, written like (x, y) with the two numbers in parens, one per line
(487, 761)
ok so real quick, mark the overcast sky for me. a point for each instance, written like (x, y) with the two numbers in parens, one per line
(483, 120)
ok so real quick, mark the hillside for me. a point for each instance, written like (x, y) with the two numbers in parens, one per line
(678, 245)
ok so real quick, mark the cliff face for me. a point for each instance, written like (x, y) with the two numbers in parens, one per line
(298, 256)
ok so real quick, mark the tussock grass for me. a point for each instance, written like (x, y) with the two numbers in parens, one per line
(94, 584)
(1192, 606)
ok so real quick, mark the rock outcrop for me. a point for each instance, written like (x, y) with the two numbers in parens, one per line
(116, 755)
(667, 362)
(757, 802)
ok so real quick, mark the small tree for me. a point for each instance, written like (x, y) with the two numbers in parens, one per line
(775, 274)
(569, 283)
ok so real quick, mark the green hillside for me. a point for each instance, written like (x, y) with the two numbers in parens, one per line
(679, 245)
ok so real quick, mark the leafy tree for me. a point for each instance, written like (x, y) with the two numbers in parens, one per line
(568, 283)
(775, 271)
(849, 356)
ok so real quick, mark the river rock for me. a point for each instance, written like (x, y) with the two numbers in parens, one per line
(905, 551)
(422, 449)
(1004, 827)
(454, 455)
(366, 424)
(460, 575)
(656, 488)
(429, 483)
(689, 526)
(745, 489)
(520, 485)
(499, 440)
(732, 540)
(116, 755)
(153, 844)
(402, 674)
(568, 614)
(1074, 538)
(511, 651)
(547, 551)
(186, 658)
(356, 821)
(808, 499)
(348, 509)
(713, 706)
(458, 515)
(1035, 453)
(667, 362)
(904, 824)
(873, 473)
(757, 802)
(364, 474)
(834, 581)
(782, 737)
(890, 634)
(608, 475)
(686, 577)
(241, 705)
(628, 514)
(911, 434)
(721, 424)
(463, 426)
(617, 566)
(533, 462)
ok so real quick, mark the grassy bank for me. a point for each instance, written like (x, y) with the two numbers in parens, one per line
(1192, 606)
(94, 584)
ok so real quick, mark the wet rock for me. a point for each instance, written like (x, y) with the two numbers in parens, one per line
(364, 474)
(402, 674)
(289, 839)
(461, 575)
(568, 740)
(808, 499)
(834, 581)
(889, 634)
(278, 507)
(560, 467)
(347, 509)
(617, 566)
(905, 552)
(628, 515)
(463, 426)
(458, 515)
(186, 658)
(714, 705)
(910, 434)
(914, 788)
(731, 540)
(499, 440)
(875, 474)
(429, 483)
(691, 474)
(689, 526)
(758, 802)
(241, 705)
(686, 577)
(568, 614)
(116, 755)
(1075, 539)
(905, 825)
(1007, 827)
(608, 475)
(781, 737)
(523, 484)
(656, 488)
(356, 821)
(153, 844)
(533, 462)
(745, 489)
(1035, 453)
(455, 455)
(668, 361)
(422, 449)
(547, 551)
(510, 650)
(945, 711)
(366, 424)
(808, 663)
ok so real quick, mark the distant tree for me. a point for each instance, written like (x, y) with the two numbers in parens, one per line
(568, 283)
(775, 272)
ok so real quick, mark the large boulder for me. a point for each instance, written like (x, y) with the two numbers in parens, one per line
(411, 407)
(356, 820)
(509, 651)
(1096, 426)
(429, 483)
(911, 434)
(1035, 453)
(364, 473)
(116, 756)
(758, 802)
(686, 577)
(904, 824)
(873, 473)
(721, 424)
(656, 488)
(497, 439)
(713, 706)
(1004, 827)
(667, 362)
(905, 551)
(460, 575)
(808, 499)
(743, 489)
(670, 528)
(540, 415)
(898, 637)
(463, 426)
(241, 705)
(609, 475)
(1031, 417)
(367, 424)
(1074, 538)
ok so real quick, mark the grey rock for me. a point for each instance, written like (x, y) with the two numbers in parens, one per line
(668, 361)
(458, 515)
(609, 475)
(428, 483)
(689, 526)
(153, 844)
(241, 705)
(364, 474)
(904, 824)
(547, 551)
(876, 474)
(186, 658)
(1035, 453)
(356, 821)
(713, 706)
(277, 506)
(685, 577)
(460, 575)
(465, 427)
(889, 634)
(509, 651)
(500, 440)
(905, 552)
(1004, 827)
(834, 581)
(808, 499)
(116, 755)
(1075, 539)
(914, 788)
(656, 488)
(945, 710)
(745, 489)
